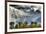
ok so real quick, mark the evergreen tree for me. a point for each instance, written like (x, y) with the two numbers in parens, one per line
(16, 26)
(11, 25)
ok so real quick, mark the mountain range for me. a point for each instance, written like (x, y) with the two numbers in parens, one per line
(29, 14)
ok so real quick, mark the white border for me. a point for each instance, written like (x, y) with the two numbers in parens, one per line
(27, 29)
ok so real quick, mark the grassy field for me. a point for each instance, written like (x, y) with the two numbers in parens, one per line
(24, 25)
